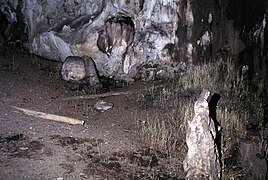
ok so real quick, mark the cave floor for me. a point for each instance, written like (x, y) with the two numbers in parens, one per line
(105, 147)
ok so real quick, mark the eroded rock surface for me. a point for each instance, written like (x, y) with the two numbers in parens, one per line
(139, 38)
(80, 72)
(202, 159)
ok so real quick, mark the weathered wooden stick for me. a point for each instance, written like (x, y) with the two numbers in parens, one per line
(50, 116)
(93, 96)
(113, 93)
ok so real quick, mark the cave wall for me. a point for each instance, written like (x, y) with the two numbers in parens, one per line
(138, 38)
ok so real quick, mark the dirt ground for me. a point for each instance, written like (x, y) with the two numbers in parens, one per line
(105, 147)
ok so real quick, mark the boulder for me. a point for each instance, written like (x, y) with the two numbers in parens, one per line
(202, 159)
(80, 72)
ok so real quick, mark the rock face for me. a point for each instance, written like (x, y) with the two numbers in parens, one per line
(80, 72)
(137, 38)
(119, 35)
(202, 160)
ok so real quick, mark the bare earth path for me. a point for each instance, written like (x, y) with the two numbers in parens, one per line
(35, 148)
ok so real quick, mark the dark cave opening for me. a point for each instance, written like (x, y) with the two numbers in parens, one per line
(117, 28)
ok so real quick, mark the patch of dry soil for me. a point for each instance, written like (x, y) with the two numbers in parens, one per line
(106, 147)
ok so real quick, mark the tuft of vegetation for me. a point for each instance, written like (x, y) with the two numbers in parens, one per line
(220, 76)
(238, 107)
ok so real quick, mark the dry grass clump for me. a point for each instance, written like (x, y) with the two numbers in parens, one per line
(233, 128)
(220, 76)
(238, 107)
(165, 132)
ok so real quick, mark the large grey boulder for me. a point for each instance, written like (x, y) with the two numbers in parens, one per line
(80, 72)
(202, 159)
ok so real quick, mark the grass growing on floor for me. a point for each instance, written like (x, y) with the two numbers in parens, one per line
(165, 132)
(237, 108)
(220, 76)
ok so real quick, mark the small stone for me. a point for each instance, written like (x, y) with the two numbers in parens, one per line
(103, 106)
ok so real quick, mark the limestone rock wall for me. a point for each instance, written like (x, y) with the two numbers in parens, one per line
(119, 35)
(137, 38)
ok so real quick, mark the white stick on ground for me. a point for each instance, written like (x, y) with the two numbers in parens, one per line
(52, 117)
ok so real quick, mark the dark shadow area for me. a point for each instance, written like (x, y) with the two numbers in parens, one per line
(265, 109)
(212, 108)
(16, 137)
(213, 115)
(117, 28)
